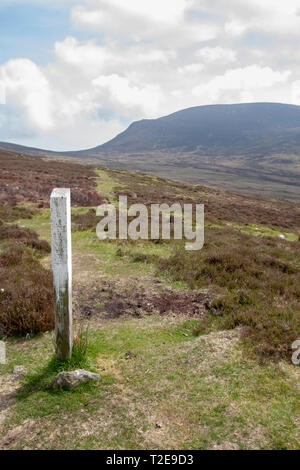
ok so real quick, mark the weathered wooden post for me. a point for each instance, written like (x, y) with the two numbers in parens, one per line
(60, 208)
(2, 353)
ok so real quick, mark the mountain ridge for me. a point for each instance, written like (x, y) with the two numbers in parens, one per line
(247, 147)
(224, 129)
(214, 129)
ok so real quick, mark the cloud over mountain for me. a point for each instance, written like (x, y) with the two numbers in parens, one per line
(122, 61)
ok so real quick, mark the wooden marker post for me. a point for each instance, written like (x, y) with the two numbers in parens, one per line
(60, 208)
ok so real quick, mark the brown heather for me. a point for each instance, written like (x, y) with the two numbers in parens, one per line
(256, 284)
(26, 290)
(31, 179)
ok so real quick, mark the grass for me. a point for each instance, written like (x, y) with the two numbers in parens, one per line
(256, 287)
(261, 231)
(168, 381)
(160, 389)
(106, 254)
(105, 184)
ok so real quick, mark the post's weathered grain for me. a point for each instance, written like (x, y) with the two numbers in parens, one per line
(60, 207)
(2, 352)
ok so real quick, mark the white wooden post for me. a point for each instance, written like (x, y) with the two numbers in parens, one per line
(2, 352)
(60, 208)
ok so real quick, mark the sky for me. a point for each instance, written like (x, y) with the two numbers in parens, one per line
(74, 73)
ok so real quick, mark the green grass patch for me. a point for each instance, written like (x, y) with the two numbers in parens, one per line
(161, 388)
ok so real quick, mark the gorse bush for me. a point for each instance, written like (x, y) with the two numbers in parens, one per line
(256, 282)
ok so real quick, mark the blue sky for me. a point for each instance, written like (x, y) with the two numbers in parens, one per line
(26, 25)
(74, 73)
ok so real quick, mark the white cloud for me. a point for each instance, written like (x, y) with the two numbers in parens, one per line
(236, 27)
(267, 15)
(134, 59)
(216, 55)
(85, 16)
(159, 21)
(296, 92)
(2, 92)
(168, 12)
(191, 68)
(27, 87)
(87, 56)
(82, 135)
(91, 59)
(241, 82)
(126, 93)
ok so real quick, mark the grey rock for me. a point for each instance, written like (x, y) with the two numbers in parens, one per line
(18, 372)
(73, 379)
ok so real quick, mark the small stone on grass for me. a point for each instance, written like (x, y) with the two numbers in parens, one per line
(18, 372)
(73, 378)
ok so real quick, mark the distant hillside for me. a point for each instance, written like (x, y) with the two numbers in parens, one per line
(252, 148)
(26, 150)
(255, 128)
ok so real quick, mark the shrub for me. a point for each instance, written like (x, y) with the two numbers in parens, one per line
(85, 221)
(25, 178)
(27, 236)
(26, 306)
(11, 213)
(259, 282)
(26, 292)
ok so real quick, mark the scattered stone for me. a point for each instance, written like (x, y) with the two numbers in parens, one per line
(73, 379)
(18, 372)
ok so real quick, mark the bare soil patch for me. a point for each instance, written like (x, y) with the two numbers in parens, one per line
(115, 298)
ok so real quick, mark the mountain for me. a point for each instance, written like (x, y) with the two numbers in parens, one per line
(254, 128)
(252, 147)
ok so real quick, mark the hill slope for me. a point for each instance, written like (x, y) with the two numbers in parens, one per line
(26, 150)
(253, 148)
(185, 342)
(253, 128)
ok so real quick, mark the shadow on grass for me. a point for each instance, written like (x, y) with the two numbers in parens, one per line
(40, 381)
